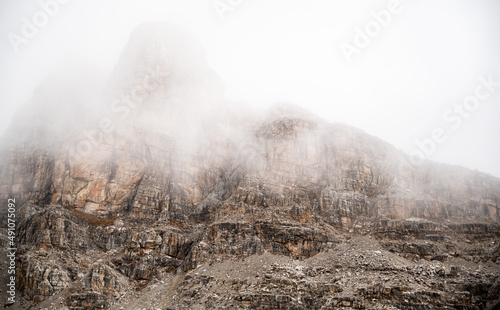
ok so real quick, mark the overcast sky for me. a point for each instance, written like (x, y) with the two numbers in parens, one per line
(417, 70)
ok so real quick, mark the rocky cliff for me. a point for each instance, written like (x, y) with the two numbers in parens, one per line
(160, 194)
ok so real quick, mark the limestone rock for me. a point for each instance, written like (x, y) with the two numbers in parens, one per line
(190, 202)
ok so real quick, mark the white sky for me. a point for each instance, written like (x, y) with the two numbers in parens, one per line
(427, 59)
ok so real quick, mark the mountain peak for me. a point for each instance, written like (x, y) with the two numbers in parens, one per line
(270, 204)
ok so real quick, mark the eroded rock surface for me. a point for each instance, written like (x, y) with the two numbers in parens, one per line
(191, 202)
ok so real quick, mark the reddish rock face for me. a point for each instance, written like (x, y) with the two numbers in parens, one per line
(185, 179)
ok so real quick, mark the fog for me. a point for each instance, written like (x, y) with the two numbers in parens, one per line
(419, 75)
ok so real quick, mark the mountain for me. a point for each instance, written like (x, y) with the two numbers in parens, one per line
(158, 193)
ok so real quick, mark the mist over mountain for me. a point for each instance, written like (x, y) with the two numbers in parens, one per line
(153, 190)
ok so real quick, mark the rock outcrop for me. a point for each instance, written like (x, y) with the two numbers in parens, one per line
(166, 196)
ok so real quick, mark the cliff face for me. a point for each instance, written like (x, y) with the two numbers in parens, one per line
(163, 195)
